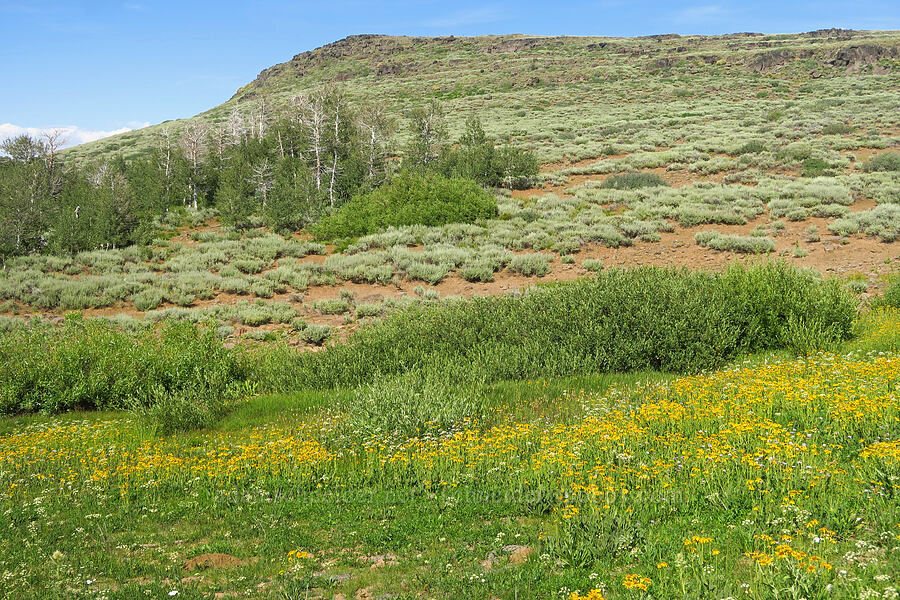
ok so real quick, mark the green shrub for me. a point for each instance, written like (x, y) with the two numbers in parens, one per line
(412, 404)
(181, 298)
(251, 266)
(315, 334)
(633, 181)
(369, 309)
(889, 161)
(410, 198)
(837, 129)
(478, 270)
(592, 264)
(263, 288)
(147, 299)
(814, 167)
(282, 312)
(254, 316)
(530, 264)
(261, 336)
(621, 320)
(332, 306)
(166, 413)
(735, 243)
(10, 323)
(427, 272)
(858, 286)
(751, 147)
(490, 166)
(235, 285)
(891, 294)
(87, 364)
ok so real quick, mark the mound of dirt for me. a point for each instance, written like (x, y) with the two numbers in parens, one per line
(214, 560)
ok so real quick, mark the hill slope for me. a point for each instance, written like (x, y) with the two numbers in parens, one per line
(531, 73)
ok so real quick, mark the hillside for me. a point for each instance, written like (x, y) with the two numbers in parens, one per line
(665, 150)
(517, 78)
(574, 318)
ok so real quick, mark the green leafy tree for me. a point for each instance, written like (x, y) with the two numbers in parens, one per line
(26, 196)
(294, 200)
(235, 196)
(428, 134)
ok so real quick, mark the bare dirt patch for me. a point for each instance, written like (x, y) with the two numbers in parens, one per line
(215, 560)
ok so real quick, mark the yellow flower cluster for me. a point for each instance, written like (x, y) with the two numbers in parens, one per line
(594, 594)
(781, 552)
(770, 436)
(633, 581)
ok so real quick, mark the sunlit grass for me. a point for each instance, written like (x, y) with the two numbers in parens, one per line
(773, 474)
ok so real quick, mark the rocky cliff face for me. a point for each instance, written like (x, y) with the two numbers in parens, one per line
(828, 52)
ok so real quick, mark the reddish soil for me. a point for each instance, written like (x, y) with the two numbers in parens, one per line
(864, 154)
(864, 256)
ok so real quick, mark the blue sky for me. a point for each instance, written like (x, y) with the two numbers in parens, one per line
(103, 66)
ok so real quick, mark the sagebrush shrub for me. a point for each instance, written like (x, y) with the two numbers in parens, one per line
(530, 264)
(315, 334)
(332, 306)
(889, 161)
(735, 243)
(633, 181)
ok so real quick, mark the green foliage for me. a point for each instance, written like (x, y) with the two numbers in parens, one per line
(478, 270)
(427, 135)
(165, 412)
(735, 243)
(530, 264)
(332, 306)
(410, 198)
(814, 167)
(147, 299)
(478, 159)
(889, 161)
(622, 320)
(86, 364)
(752, 147)
(315, 334)
(633, 181)
(882, 221)
(592, 264)
(423, 400)
(878, 329)
(890, 297)
(837, 129)
(254, 316)
(369, 309)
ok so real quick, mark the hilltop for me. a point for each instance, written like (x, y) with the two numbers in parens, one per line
(493, 73)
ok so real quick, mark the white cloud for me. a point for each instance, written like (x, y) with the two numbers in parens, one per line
(73, 135)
